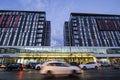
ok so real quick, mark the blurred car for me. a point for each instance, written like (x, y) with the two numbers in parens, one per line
(55, 67)
(105, 64)
(38, 66)
(31, 65)
(2, 66)
(116, 66)
(14, 66)
(90, 65)
(74, 64)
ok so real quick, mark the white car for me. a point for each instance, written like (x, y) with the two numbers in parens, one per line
(38, 66)
(55, 67)
(89, 65)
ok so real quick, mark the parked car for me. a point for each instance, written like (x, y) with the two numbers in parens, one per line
(38, 66)
(90, 65)
(55, 67)
(31, 65)
(14, 66)
(116, 66)
(105, 64)
(74, 64)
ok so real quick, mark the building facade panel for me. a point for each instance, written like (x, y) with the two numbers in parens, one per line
(24, 28)
(93, 30)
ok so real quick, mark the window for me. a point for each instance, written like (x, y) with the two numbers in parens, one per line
(41, 22)
(74, 24)
(40, 26)
(42, 15)
(62, 65)
(76, 36)
(39, 35)
(58, 64)
(76, 41)
(41, 18)
(39, 40)
(51, 64)
(75, 28)
(73, 17)
(91, 63)
(75, 32)
(40, 31)
(74, 20)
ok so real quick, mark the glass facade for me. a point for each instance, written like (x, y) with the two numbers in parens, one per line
(21, 54)
(62, 50)
(45, 49)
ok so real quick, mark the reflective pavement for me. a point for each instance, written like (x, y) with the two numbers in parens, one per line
(106, 74)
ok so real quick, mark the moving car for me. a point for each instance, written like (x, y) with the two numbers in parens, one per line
(105, 64)
(57, 67)
(2, 66)
(89, 65)
(14, 66)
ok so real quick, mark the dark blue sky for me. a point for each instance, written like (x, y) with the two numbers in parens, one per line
(59, 11)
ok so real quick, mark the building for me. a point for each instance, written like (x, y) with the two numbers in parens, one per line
(93, 30)
(24, 28)
(25, 37)
(27, 54)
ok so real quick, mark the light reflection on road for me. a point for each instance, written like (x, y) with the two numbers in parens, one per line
(62, 78)
(20, 76)
(85, 75)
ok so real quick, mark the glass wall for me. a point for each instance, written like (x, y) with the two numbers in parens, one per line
(45, 49)
(40, 54)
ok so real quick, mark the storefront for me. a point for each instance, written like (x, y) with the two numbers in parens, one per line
(25, 55)
(109, 58)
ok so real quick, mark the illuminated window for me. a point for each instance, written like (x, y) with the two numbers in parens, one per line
(40, 26)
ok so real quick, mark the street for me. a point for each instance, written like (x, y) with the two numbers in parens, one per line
(105, 74)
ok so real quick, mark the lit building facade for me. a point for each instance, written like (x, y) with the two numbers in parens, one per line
(24, 28)
(25, 55)
(25, 37)
(97, 31)
(92, 30)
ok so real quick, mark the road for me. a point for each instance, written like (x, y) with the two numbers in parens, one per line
(107, 74)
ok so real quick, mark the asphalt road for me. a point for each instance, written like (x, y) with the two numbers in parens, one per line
(106, 74)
